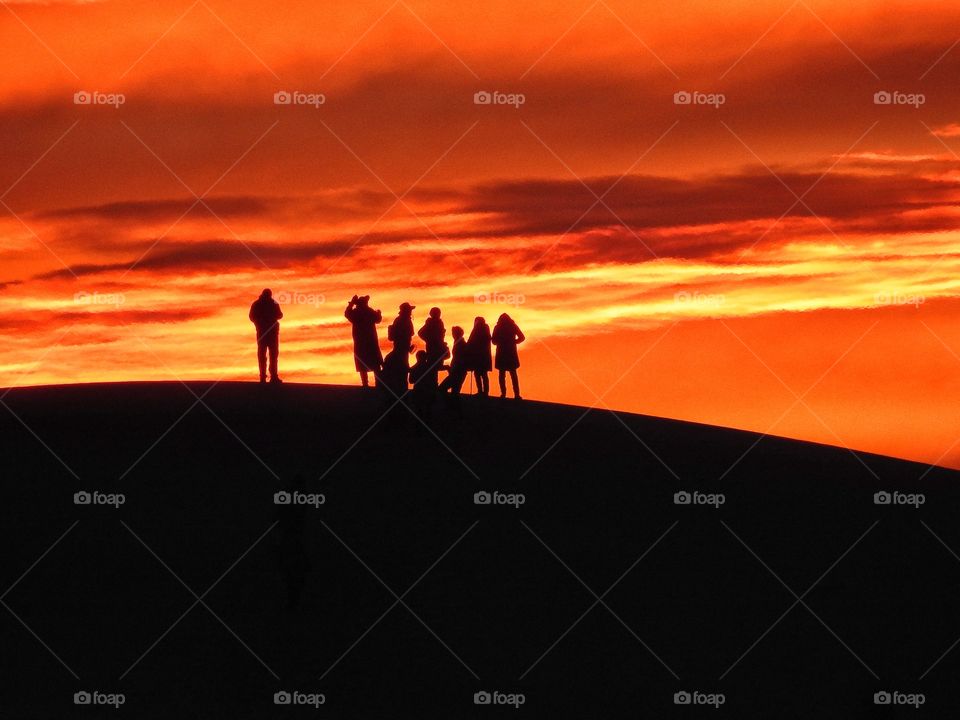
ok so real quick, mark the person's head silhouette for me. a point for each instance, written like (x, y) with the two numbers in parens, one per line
(421, 356)
(479, 322)
(267, 294)
(457, 332)
(435, 313)
(406, 308)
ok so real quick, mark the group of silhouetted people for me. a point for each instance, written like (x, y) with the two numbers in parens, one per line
(468, 354)
(393, 373)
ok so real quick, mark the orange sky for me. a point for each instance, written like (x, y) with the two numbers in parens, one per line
(783, 261)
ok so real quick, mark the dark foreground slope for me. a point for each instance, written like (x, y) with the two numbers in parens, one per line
(598, 597)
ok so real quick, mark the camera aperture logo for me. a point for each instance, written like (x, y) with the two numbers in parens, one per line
(695, 697)
(295, 97)
(115, 500)
(895, 697)
(914, 500)
(482, 97)
(684, 97)
(295, 697)
(714, 500)
(85, 97)
(315, 500)
(895, 97)
(95, 697)
(514, 500)
(495, 697)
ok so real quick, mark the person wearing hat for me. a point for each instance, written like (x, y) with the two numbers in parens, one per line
(396, 365)
(265, 315)
(366, 344)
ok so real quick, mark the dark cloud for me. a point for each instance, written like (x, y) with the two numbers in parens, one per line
(114, 315)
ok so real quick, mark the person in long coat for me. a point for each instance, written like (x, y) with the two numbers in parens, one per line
(478, 355)
(506, 336)
(366, 344)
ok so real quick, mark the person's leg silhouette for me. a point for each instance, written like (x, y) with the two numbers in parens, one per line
(262, 360)
(274, 352)
(516, 384)
(503, 383)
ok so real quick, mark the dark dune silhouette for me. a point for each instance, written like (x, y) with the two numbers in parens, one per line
(297, 589)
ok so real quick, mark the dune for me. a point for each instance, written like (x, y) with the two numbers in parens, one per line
(572, 562)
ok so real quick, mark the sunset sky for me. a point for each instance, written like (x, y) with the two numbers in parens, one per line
(783, 260)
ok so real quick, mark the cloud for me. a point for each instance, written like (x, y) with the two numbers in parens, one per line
(47, 319)
(949, 131)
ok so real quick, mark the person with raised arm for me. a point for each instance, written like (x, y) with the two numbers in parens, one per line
(366, 345)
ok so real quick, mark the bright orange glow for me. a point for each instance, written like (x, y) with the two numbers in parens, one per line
(783, 260)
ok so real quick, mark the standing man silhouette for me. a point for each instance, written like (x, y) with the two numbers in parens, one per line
(366, 346)
(265, 315)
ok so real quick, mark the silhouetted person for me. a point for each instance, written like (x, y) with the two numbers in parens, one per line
(478, 355)
(457, 372)
(393, 377)
(396, 365)
(506, 336)
(423, 375)
(265, 314)
(433, 333)
(366, 344)
(400, 332)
